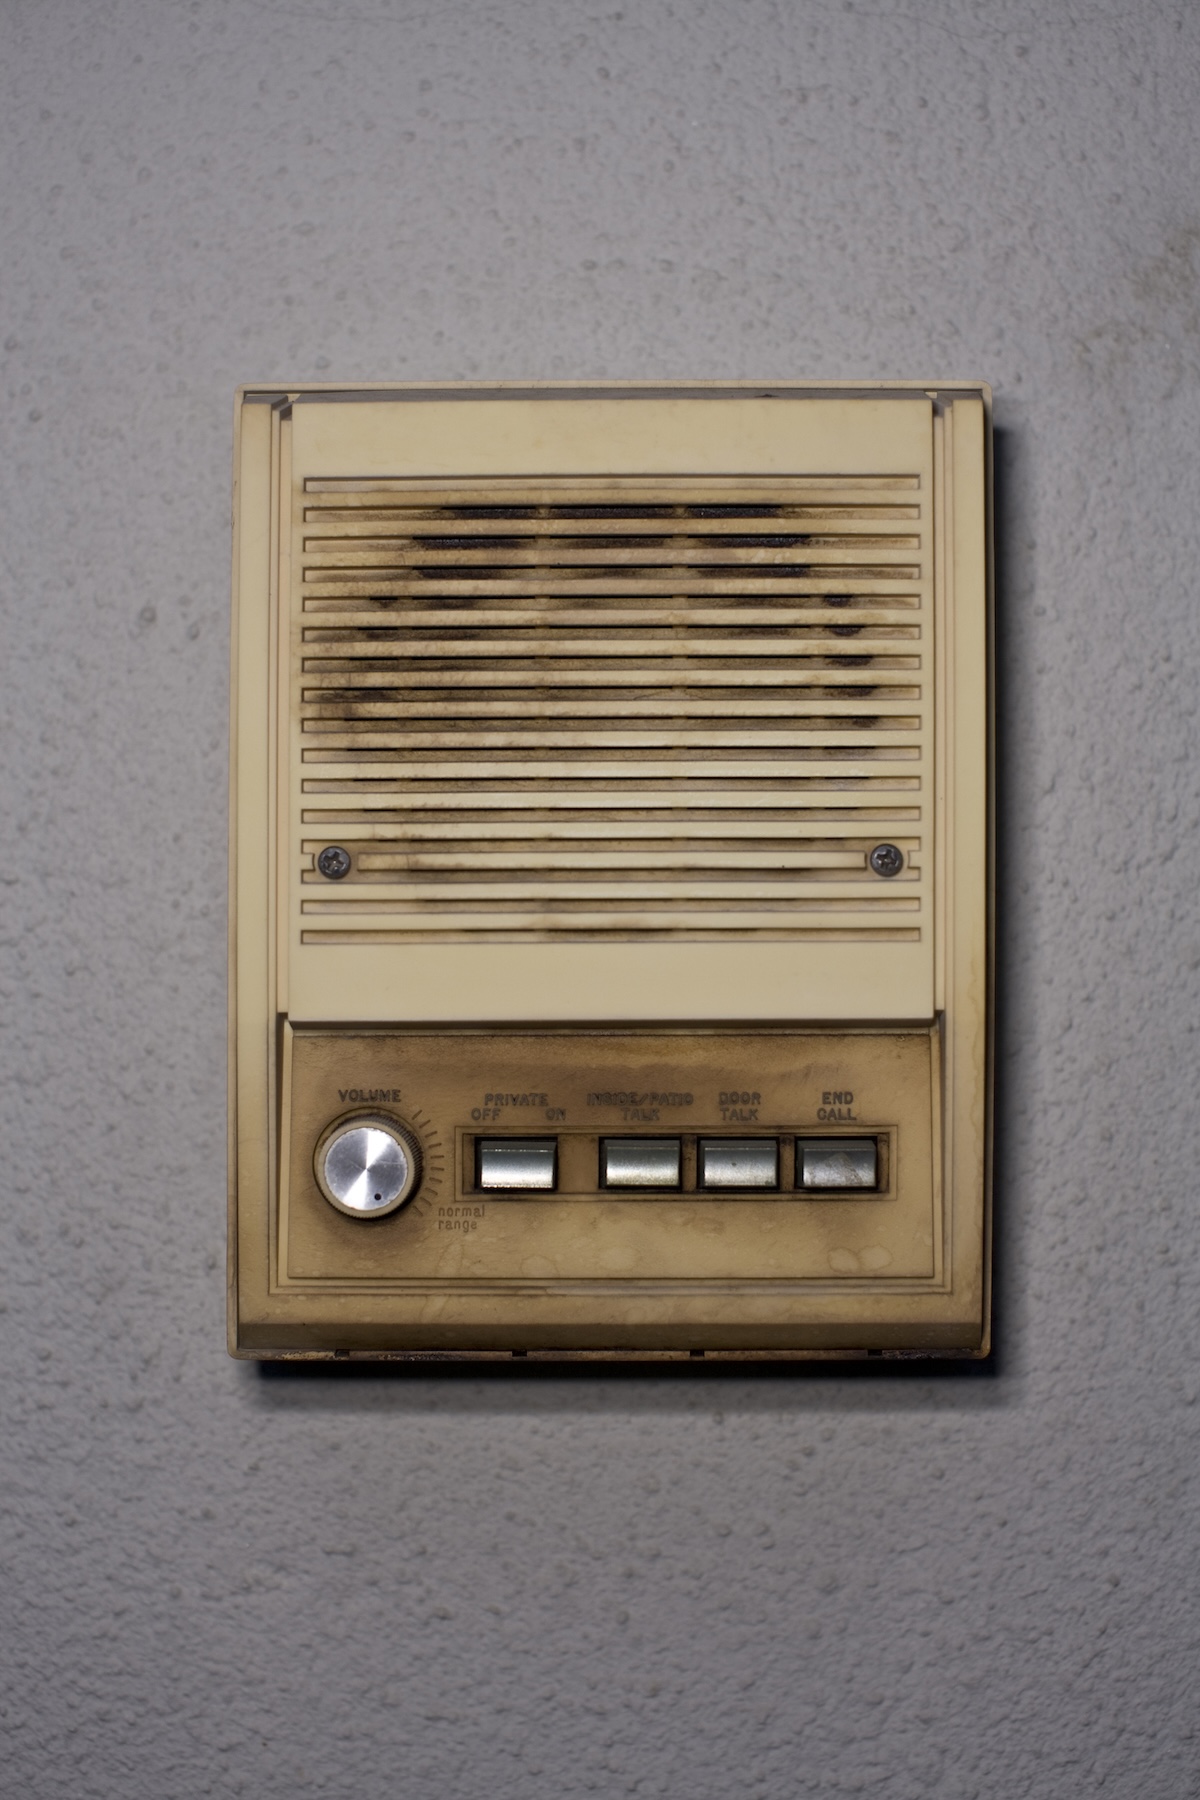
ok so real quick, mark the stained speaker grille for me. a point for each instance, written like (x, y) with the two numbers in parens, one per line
(634, 709)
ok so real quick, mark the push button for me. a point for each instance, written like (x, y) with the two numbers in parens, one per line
(517, 1163)
(639, 1162)
(739, 1163)
(833, 1163)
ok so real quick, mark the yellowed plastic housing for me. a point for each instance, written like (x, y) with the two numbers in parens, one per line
(611, 770)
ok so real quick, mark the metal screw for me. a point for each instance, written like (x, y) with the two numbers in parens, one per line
(334, 862)
(885, 859)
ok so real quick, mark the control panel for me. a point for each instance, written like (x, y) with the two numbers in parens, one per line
(510, 1187)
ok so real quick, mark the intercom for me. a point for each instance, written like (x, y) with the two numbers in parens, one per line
(611, 946)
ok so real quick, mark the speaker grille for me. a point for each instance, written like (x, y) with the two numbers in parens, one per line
(538, 710)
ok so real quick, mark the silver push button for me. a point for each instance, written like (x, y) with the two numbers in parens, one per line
(836, 1162)
(739, 1163)
(639, 1162)
(519, 1164)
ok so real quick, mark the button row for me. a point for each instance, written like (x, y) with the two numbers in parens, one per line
(530, 1165)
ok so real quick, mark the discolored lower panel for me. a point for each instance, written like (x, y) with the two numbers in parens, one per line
(742, 1253)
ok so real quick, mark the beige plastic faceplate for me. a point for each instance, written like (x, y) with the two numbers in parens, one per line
(606, 697)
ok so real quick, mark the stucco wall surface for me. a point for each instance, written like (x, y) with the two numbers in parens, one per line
(912, 1583)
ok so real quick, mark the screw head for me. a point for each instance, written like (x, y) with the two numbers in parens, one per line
(334, 862)
(886, 859)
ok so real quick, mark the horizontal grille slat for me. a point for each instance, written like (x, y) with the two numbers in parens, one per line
(615, 493)
(625, 584)
(491, 652)
(686, 765)
(432, 704)
(608, 557)
(432, 526)
(636, 708)
(620, 830)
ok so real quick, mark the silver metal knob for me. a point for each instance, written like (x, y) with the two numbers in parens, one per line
(366, 1167)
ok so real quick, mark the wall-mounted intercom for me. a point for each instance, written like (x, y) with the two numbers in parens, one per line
(611, 838)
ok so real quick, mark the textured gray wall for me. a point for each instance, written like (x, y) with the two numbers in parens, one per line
(520, 1587)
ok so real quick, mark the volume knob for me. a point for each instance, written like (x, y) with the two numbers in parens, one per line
(366, 1166)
